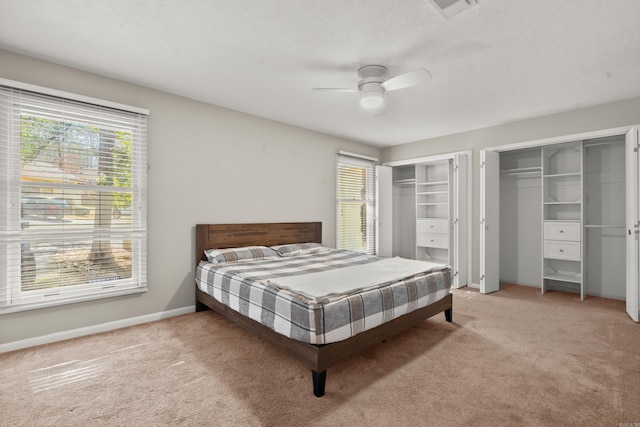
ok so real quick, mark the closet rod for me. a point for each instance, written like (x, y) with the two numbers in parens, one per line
(521, 171)
(595, 144)
(604, 226)
(533, 174)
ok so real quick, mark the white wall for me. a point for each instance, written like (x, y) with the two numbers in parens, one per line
(207, 165)
(605, 116)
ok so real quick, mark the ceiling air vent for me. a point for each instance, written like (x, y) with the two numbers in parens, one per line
(448, 8)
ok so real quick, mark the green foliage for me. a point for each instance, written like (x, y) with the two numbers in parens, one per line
(97, 156)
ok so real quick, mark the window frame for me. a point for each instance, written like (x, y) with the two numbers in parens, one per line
(370, 199)
(12, 296)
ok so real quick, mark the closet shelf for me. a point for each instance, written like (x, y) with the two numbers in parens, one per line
(434, 183)
(563, 278)
(427, 193)
(433, 204)
(404, 182)
(563, 203)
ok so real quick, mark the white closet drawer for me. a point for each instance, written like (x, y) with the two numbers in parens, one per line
(562, 250)
(437, 226)
(562, 230)
(433, 240)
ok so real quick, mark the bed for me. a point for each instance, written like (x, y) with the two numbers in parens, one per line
(317, 350)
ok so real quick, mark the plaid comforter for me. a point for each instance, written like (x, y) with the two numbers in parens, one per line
(249, 288)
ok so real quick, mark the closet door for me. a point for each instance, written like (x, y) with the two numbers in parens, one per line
(490, 221)
(632, 186)
(385, 211)
(460, 218)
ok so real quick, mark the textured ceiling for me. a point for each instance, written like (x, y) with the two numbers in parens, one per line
(496, 62)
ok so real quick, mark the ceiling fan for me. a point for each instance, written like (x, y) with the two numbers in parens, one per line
(372, 84)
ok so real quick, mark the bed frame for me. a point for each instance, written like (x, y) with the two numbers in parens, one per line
(317, 357)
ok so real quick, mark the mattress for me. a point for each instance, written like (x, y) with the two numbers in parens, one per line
(265, 291)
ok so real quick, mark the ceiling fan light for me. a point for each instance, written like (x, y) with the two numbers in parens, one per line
(371, 99)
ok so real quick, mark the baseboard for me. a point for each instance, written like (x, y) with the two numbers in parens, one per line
(103, 327)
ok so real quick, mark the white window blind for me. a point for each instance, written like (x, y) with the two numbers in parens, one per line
(72, 200)
(356, 204)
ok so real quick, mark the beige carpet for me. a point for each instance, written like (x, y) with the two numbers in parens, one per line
(510, 358)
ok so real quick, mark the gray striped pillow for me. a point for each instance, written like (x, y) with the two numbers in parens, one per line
(300, 249)
(246, 253)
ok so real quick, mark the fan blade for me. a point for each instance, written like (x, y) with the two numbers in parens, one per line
(333, 89)
(409, 79)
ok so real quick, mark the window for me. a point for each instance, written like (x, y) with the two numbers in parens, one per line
(72, 198)
(356, 204)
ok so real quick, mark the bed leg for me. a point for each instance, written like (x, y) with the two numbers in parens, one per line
(319, 380)
(201, 307)
(448, 314)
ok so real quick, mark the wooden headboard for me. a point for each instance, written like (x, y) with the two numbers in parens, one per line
(221, 236)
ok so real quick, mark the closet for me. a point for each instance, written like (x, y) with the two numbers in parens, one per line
(425, 215)
(604, 217)
(520, 217)
(563, 215)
